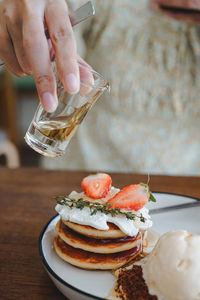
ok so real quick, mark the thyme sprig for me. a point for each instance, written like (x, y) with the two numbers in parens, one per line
(151, 196)
(95, 207)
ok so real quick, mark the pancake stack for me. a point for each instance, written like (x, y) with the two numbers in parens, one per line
(89, 248)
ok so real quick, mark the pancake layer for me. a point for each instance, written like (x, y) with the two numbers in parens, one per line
(94, 245)
(87, 260)
(112, 233)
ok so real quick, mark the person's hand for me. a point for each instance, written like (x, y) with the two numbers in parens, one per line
(25, 50)
(181, 10)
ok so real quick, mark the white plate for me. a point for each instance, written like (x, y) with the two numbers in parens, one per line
(82, 284)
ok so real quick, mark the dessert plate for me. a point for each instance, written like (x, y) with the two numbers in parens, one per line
(81, 284)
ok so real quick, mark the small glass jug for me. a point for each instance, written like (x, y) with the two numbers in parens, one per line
(50, 133)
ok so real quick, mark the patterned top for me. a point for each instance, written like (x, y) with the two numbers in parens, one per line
(151, 120)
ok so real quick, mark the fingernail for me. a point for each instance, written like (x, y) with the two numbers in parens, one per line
(72, 83)
(48, 102)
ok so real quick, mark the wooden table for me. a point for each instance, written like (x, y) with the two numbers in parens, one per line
(26, 204)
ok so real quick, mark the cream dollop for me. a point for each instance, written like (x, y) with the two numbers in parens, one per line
(100, 220)
(172, 270)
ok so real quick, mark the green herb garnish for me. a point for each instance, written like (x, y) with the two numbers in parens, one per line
(151, 197)
(95, 207)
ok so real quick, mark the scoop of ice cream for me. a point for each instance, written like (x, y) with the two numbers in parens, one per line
(172, 270)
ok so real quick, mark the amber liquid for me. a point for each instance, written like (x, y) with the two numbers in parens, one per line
(51, 137)
(63, 128)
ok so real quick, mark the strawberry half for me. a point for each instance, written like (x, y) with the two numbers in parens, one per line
(132, 197)
(97, 186)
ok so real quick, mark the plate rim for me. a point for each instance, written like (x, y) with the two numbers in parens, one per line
(50, 270)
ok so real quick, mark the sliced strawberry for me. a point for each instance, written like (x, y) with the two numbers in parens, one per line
(97, 186)
(132, 197)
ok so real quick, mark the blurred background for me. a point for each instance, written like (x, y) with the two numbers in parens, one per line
(18, 101)
(149, 51)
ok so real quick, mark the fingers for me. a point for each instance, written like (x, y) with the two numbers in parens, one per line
(16, 36)
(83, 62)
(26, 50)
(7, 53)
(87, 81)
(51, 50)
(37, 51)
(64, 44)
(86, 77)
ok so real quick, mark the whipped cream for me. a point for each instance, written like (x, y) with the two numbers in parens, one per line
(100, 220)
